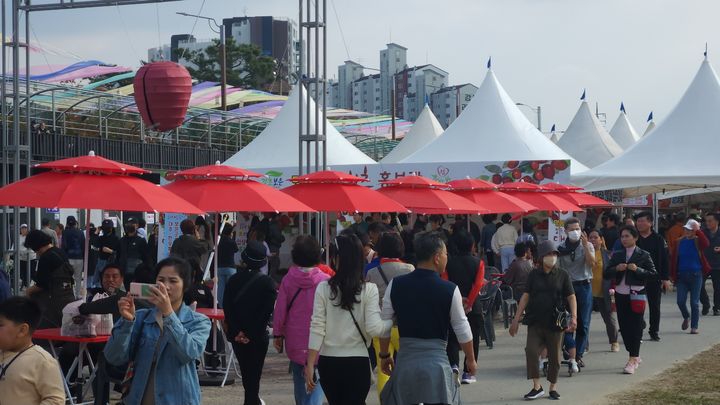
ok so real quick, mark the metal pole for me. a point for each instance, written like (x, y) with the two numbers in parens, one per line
(301, 216)
(539, 118)
(223, 70)
(16, 123)
(5, 141)
(656, 212)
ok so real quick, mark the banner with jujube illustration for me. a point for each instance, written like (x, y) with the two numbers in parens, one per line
(535, 171)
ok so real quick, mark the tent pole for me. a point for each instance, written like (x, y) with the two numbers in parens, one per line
(656, 212)
(215, 265)
(84, 282)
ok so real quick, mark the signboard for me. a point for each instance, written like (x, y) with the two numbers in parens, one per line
(52, 210)
(541, 171)
(242, 228)
(556, 227)
(169, 231)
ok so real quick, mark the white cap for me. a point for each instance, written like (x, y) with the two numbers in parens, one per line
(692, 224)
(23, 226)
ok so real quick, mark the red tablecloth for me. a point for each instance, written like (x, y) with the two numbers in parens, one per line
(216, 314)
(54, 335)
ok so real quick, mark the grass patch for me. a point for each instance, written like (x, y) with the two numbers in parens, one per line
(693, 382)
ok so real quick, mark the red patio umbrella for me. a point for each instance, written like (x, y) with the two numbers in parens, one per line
(332, 191)
(425, 196)
(534, 194)
(92, 182)
(486, 195)
(220, 188)
(573, 194)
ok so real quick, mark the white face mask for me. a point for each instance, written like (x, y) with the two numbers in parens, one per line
(550, 260)
(574, 235)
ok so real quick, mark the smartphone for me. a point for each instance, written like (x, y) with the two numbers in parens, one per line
(141, 290)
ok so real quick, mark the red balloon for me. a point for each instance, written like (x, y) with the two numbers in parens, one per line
(162, 94)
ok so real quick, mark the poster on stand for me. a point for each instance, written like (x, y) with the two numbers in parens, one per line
(169, 231)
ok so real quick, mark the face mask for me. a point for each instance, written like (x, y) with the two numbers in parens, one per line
(550, 261)
(574, 235)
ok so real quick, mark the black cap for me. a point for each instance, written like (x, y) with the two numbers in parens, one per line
(71, 221)
(254, 256)
(132, 221)
(107, 223)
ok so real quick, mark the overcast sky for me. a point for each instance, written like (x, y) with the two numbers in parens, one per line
(642, 52)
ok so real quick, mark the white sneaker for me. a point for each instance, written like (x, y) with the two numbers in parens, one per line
(262, 402)
(574, 366)
(468, 378)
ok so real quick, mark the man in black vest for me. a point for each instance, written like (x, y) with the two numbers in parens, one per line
(651, 242)
(425, 307)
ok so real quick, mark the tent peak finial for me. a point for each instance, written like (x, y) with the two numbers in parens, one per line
(489, 62)
(705, 53)
(583, 95)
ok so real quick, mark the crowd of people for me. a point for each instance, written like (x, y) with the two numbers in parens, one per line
(396, 303)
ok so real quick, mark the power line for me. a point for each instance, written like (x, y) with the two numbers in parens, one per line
(342, 34)
(192, 31)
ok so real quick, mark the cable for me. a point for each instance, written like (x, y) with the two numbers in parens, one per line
(342, 34)
(157, 17)
(192, 31)
(127, 34)
(42, 51)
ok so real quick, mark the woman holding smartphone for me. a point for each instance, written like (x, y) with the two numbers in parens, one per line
(161, 343)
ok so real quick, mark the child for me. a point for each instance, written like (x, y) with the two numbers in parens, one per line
(28, 374)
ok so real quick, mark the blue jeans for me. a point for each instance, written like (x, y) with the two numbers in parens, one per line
(301, 395)
(583, 296)
(95, 281)
(507, 255)
(224, 274)
(689, 282)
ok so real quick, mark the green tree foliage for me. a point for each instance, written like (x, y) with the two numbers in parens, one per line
(246, 66)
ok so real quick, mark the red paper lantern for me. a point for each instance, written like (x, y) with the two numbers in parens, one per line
(162, 94)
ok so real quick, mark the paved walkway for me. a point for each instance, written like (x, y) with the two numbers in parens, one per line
(501, 374)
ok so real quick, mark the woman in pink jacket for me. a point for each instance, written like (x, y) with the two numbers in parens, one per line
(293, 310)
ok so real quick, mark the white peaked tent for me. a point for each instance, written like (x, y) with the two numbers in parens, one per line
(425, 129)
(678, 154)
(491, 128)
(277, 145)
(586, 140)
(649, 128)
(623, 132)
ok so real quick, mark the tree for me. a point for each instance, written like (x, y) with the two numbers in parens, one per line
(246, 66)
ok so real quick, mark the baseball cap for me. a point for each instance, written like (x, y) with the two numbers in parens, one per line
(692, 224)
(254, 256)
(23, 226)
(107, 223)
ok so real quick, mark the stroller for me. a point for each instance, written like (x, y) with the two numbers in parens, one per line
(493, 297)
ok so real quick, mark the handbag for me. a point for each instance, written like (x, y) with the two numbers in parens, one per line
(638, 302)
(561, 316)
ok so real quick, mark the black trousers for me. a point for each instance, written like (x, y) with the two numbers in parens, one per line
(453, 346)
(345, 380)
(631, 324)
(251, 359)
(653, 289)
(105, 374)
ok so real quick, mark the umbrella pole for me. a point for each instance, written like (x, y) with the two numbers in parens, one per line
(327, 238)
(215, 265)
(83, 283)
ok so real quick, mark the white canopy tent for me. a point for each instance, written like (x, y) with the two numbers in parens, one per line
(650, 127)
(425, 130)
(586, 140)
(491, 128)
(277, 146)
(623, 132)
(678, 154)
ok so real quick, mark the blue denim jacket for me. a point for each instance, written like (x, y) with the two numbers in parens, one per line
(183, 341)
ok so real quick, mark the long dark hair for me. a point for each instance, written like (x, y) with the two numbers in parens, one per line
(348, 279)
